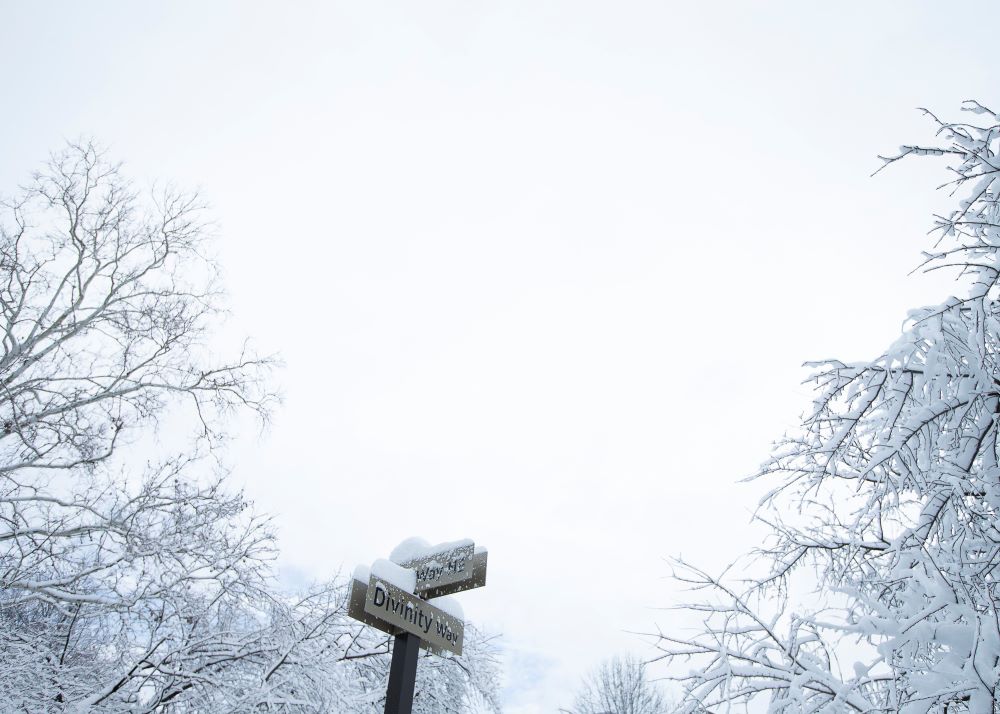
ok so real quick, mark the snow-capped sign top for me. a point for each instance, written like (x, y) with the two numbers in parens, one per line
(436, 566)
(410, 548)
(417, 548)
(393, 574)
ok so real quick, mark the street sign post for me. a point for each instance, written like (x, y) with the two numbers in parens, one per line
(402, 674)
(409, 617)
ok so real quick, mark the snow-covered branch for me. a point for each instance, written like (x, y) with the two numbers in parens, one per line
(890, 493)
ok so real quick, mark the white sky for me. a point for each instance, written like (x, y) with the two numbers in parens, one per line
(542, 273)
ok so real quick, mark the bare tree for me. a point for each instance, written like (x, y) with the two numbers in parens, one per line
(146, 587)
(890, 492)
(619, 686)
(105, 303)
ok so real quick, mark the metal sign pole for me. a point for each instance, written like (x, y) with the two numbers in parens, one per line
(402, 674)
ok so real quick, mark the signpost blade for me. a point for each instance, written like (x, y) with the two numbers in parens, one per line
(402, 674)
(449, 565)
(476, 571)
(437, 630)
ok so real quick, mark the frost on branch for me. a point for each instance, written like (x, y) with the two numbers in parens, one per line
(890, 493)
(107, 577)
(106, 301)
(148, 588)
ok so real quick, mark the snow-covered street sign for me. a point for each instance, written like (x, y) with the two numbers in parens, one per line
(437, 629)
(368, 607)
(443, 569)
(448, 565)
(393, 594)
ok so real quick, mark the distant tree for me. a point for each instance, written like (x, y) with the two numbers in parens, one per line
(619, 686)
(140, 583)
(890, 491)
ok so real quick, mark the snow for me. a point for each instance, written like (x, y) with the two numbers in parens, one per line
(450, 605)
(391, 571)
(409, 549)
(394, 574)
(416, 547)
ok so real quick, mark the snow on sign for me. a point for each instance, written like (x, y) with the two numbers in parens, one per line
(392, 595)
(442, 569)
(404, 610)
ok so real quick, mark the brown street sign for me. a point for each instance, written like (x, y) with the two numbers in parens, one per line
(402, 611)
(444, 567)
(475, 577)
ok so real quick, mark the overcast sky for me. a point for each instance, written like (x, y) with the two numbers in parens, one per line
(542, 273)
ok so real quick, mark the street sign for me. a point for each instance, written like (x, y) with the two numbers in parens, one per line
(448, 568)
(356, 609)
(414, 622)
(409, 613)
(444, 567)
(474, 577)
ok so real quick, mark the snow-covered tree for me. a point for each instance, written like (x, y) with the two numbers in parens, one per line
(306, 655)
(619, 686)
(107, 576)
(137, 581)
(890, 492)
